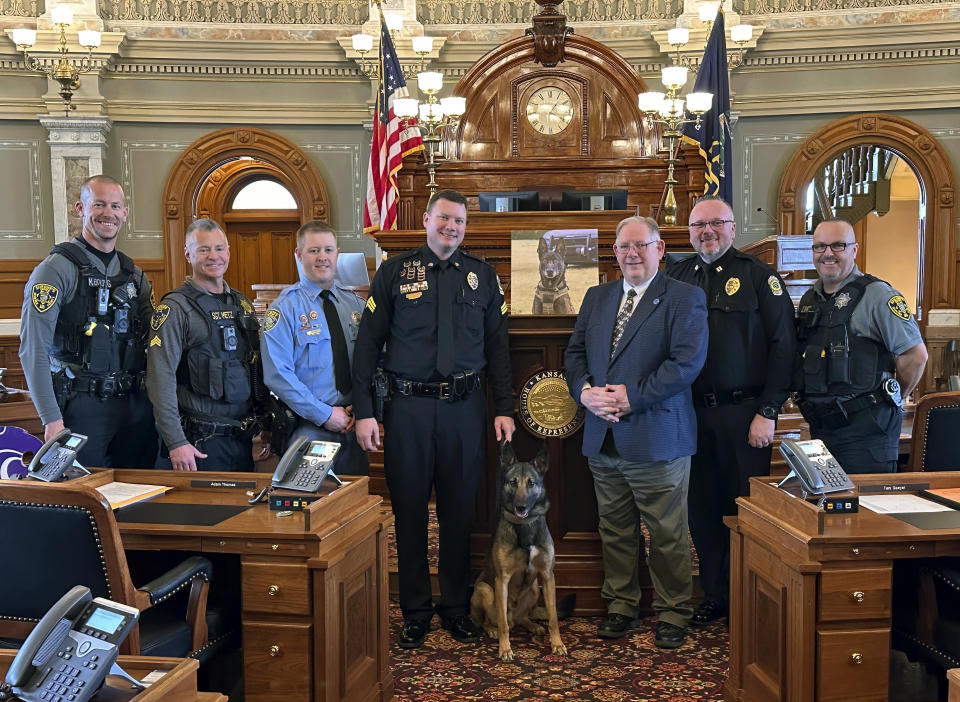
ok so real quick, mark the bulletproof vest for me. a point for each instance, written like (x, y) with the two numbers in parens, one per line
(99, 329)
(836, 362)
(226, 365)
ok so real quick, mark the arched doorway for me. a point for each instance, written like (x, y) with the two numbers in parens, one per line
(930, 164)
(191, 191)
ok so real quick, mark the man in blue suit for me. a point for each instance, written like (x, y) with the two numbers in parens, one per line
(638, 345)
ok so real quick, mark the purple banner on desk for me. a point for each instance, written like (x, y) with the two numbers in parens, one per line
(900, 487)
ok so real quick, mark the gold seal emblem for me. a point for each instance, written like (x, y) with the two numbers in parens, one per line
(898, 305)
(472, 280)
(44, 296)
(775, 286)
(247, 307)
(271, 319)
(546, 407)
(733, 284)
(355, 316)
(160, 314)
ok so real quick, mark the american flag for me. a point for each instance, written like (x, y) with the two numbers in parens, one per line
(390, 142)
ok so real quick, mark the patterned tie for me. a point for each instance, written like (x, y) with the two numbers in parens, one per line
(338, 345)
(622, 320)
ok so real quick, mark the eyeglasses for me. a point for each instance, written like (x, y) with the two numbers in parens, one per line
(714, 224)
(836, 247)
(638, 247)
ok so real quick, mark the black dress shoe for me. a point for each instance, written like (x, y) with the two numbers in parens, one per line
(706, 612)
(413, 633)
(462, 628)
(669, 635)
(614, 626)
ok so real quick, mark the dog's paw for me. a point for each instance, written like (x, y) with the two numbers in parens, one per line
(558, 648)
(535, 628)
(493, 633)
(506, 653)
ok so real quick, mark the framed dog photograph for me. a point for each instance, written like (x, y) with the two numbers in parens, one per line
(551, 270)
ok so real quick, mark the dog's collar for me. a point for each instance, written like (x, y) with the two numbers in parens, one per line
(558, 289)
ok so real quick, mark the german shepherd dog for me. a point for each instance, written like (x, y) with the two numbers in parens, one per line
(552, 295)
(521, 557)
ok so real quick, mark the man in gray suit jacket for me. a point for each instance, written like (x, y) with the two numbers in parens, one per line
(638, 345)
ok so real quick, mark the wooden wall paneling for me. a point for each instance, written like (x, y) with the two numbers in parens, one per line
(13, 279)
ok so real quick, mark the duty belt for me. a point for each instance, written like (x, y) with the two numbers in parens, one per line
(207, 425)
(456, 387)
(107, 386)
(733, 397)
(837, 413)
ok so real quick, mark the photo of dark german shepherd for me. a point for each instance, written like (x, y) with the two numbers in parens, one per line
(520, 559)
(552, 295)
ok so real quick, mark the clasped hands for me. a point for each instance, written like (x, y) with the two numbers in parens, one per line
(608, 402)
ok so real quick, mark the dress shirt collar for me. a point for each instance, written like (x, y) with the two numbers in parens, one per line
(715, 265)
(313, 290)
(640, 289)
(431, 258)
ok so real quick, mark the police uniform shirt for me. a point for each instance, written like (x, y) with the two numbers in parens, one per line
(177, 326)
(297, 352)
(53, 284)
(751, 318)
(401, 312)
(881, 315)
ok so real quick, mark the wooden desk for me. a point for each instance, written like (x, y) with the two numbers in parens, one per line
(178, 685)
(314, 583)
(811, 594)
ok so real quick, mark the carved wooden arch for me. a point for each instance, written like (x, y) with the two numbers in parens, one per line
(221, 187)
(210, 152)
(937, 186)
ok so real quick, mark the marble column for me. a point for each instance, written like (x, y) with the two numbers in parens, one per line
(77, 146)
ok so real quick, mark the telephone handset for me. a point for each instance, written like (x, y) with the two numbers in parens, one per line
(305, 465)
(70, 652)
(814, 466)
(57, 456)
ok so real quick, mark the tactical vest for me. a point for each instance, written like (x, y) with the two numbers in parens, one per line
(226, 366)
(835, 362)
(99, 329)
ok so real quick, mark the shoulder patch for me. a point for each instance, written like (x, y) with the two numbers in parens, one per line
(775, 286)
(160, 314)
(270, 319)
(44, 296)
(371, 305)
(898, 305)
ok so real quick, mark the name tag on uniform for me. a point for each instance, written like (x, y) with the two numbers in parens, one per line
(407, 288)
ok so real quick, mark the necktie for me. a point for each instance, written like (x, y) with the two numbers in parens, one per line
(338, 344)
(622, 320)
(445, 288)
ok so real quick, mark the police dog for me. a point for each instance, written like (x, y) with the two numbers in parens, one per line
(552, 295)
(520, 559)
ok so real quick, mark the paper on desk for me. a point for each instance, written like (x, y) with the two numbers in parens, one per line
(122, 494)
(900, 504)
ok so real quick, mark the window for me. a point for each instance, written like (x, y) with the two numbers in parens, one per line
(264, 195)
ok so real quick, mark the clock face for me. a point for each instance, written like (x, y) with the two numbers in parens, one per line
(549, 110)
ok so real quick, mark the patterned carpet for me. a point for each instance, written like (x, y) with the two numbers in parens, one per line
(628, 669)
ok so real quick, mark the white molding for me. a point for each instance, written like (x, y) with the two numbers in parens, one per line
(127, 150)
(32, 146)
(837, 103)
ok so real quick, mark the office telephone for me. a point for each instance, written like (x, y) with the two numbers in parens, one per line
(305, 465)
(57, 456)
(73, 648)
(814, 466)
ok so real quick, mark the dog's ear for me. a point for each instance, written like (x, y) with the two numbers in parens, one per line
(507, 455)
(542, 460)
(561, 248)
(542, 246)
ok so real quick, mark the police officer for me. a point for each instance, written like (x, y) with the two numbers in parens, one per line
(441, 315)
(204, 373)
(740, 390)
(308, 337)
(86, 310)
(860, 353)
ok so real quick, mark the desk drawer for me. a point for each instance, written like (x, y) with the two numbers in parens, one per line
(255, 546)
(855, 594)
(883, 551)
(282, 588)
(278, 661)
(853, 665)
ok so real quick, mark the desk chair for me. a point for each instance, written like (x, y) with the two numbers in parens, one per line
(936, 425)
(56, 536)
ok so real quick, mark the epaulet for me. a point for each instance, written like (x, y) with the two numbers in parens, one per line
(737, 253)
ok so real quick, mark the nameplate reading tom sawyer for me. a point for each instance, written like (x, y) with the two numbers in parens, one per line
(902, 487)
(546, 407)
(243, 484)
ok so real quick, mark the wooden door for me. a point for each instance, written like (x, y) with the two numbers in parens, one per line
(261, 248)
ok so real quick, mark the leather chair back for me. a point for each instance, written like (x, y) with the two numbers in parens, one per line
(936, 426)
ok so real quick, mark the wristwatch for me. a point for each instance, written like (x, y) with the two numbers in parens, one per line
(768, 411)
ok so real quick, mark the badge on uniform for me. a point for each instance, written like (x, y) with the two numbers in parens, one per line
(407, 288)
(898, 305)
(733, 284)
(775, 286)
(413, 270)
(313, 314)
(44, 296)
(160, 314)
(472, 280)
(247, 307)
(355, 316)
(270, 319)
(843, 299)
(303, 319)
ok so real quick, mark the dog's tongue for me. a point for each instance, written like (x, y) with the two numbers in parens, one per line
(522, 513)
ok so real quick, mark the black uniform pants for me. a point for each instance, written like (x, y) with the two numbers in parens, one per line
(720, 472)
(869, 444)
(120, 431)
(434, 444)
